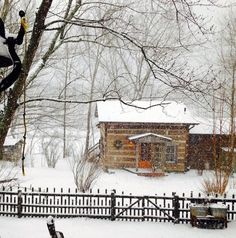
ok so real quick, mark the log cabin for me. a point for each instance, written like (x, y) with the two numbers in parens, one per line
(144, 135)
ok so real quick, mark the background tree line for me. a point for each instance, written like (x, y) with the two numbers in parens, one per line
(79, 52)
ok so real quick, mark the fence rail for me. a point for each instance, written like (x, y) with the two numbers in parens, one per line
(42, 203)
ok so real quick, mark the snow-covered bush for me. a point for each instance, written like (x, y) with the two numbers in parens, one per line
(8, 174)
(51, 151)
(216, 183)
(85, 172)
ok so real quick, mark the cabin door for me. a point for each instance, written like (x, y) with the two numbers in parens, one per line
(145, 156)
(152, 156)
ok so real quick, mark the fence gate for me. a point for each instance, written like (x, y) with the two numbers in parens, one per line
(144, 208)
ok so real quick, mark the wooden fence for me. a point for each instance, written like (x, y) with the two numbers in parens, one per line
(107, 205)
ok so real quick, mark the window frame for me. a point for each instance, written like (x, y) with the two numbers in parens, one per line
(171, 156)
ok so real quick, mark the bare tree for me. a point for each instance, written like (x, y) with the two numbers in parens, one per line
(93, 62)
(228, 73)
(29, 57)
(112, 25)
(224, 109)
(27, 63)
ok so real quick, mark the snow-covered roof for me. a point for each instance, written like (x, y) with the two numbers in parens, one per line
(10, 141)
(136, 137)
(144, 112)
(210, 126)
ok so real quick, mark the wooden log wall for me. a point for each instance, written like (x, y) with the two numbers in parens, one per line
(113, 157)
(201, 146)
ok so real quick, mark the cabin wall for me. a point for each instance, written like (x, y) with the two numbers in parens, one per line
(201, 148)
(113, 157)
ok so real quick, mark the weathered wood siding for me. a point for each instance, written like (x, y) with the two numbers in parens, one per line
(113, 157)
(201, 148)
(13, 152)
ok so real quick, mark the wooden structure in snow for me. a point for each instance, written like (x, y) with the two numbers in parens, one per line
(12, 149)
(207, 140)
(143, 134)
(208, 216)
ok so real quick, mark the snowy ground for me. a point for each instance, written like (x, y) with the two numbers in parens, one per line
(121, 180)
(87, 228)
(41, 176)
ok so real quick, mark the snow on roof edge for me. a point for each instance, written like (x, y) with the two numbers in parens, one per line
(138, 136)
(169, 112)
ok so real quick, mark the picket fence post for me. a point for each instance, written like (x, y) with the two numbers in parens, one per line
(176, 207)
(19, 204)
(113, 205)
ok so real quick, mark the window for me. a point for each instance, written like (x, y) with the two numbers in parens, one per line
(171, 153)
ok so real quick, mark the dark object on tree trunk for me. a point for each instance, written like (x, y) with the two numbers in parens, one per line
(51, 228)
(8, 54)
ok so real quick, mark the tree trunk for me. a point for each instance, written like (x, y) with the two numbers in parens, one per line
(232, 124)
(17, 90)
(88, 121)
